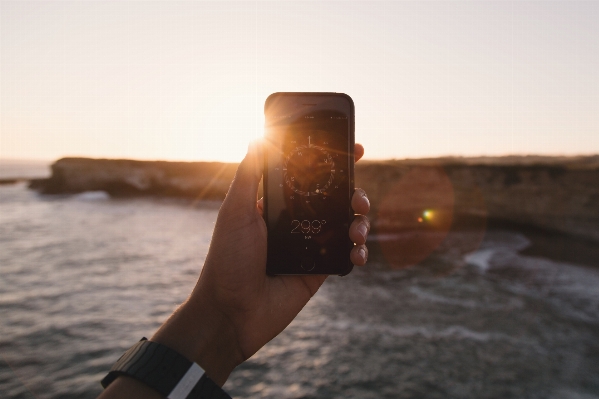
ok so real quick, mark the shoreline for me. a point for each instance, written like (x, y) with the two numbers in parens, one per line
(559, 194)
(545, 243)
(458, 243)
(561, 247)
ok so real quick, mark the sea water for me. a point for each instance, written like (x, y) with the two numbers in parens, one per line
(83, 277)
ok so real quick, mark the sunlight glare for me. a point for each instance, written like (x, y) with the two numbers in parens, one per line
(222, 130)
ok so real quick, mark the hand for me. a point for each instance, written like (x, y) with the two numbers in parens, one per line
(236, 308)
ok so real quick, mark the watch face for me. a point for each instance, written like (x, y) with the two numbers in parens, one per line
(309, 169)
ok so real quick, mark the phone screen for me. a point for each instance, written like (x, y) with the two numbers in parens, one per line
(308, 188)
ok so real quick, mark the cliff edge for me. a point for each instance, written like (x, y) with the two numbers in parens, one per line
(125, 178)
(553, 193)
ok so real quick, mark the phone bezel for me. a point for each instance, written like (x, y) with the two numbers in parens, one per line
(296, 103)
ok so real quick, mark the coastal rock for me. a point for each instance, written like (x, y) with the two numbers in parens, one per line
(427, 195)
(552, 193)
(122, 178)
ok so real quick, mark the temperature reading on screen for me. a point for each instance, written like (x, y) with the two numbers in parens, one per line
(307, 226)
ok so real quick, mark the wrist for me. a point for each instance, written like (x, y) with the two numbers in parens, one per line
(204, 335)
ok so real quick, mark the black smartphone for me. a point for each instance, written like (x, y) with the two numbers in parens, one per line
(308, 182)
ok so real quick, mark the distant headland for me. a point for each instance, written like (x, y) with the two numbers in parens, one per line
(554, 193)
(126, 178)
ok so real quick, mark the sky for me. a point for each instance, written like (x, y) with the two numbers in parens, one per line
(188, 80)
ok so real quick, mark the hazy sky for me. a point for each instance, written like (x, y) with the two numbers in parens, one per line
(164, 80)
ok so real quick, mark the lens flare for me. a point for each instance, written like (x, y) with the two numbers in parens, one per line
(415, 215)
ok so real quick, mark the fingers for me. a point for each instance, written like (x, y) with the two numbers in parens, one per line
(358, 152)
(359, 255)
(244, 189)
(359, 202)
(359, 229)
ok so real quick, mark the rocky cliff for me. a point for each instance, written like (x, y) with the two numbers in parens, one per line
(421, 207)
(553, 193)
(121, 178)
(433, 195)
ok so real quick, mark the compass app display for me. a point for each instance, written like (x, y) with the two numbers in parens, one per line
(308, 187)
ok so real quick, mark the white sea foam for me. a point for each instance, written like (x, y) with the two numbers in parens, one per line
(500, 239)
(428, 332)
(480, 258)
(92, 196)
(572, 290)
(468, 303)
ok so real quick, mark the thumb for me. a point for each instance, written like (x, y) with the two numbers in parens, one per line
(243, 191)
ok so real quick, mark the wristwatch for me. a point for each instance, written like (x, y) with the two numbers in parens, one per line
(168, 372)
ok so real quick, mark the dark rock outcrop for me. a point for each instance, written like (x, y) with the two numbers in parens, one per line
(553, 193)
(122, 178)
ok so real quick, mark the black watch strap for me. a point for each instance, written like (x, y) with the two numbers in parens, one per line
(168, 372)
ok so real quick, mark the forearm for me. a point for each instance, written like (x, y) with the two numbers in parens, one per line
(197, 332)
(204, 335)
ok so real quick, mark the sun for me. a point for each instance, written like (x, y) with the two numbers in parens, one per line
(220, 131)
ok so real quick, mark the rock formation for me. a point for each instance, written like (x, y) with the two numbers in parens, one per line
(553, 193)
(121, 178)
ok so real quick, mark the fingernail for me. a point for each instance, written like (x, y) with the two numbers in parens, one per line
(365, 197)
(362, 253)
(363, 230)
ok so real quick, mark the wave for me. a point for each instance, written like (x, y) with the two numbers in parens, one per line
(92, 196)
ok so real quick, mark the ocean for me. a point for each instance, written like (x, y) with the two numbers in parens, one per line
(83, 277)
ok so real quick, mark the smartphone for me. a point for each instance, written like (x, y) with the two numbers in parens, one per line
(308, 182)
